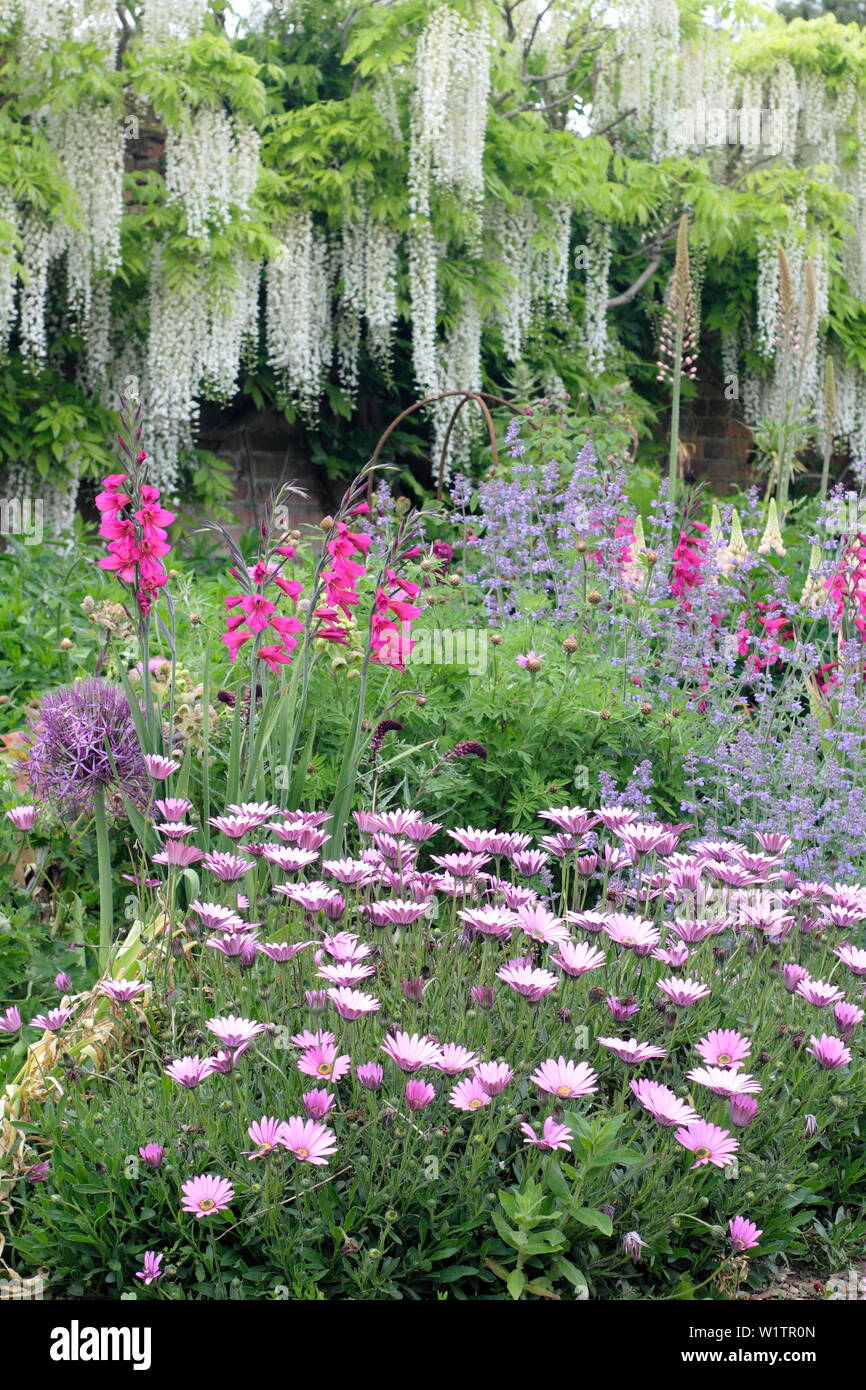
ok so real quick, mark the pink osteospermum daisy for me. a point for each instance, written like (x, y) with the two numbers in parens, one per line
(411, 1053)
(454, 1059)
(565, 1078)
(684, 993)
(151, 1261)
(630, 1050)
(281, 952)
(53, 1020)
(353, 1003)
(722, 1047)
(152, 1154)
(228, 868)
(553, 1136)
(819, 993)
(121, 991)
(22, 817)
(469, 1094)
(10, 1021)
(160, 768)
(370, 1075)
(233, 1031)
(266, 1134)
(662, 1104)
(189, 1071)
(829, 1052)
(743, 1234)
(306, 1039)
(853, 957)
(324, 1063)
(344, 976)
(419, 1094)
(317, 1103)
(526, 980)
(576, 957)
(633, 933)
(493, 1077)
(308, 1141)
(724, 1081)
(708, 1143)
(206, 1194)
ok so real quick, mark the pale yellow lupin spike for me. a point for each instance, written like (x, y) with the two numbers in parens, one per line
(715, 524)
(771, 541)
(813, 589)
(639, 542)
(737, 543)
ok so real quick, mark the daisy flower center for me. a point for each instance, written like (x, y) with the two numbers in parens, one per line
(702, 1152)
(323, 1069)
(474, 1104)
(302, 1153)
(206, 1204)
(724, 1059)
(563, 1090)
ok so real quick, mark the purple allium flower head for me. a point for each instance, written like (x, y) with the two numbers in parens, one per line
(84, 741)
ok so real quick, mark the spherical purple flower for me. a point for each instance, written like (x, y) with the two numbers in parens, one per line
(84, 742)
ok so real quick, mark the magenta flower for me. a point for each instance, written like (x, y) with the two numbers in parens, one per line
(708, 1143)
(53, 1020)
(173, 808)
(493, 1077)
(531, 983)
(63, 982)
(353, 1003)
(565, 1078)
(576, 820)
(160, 768)
(575, 958)
(792, 975)
(829, 1052)
(489, 920)
(189, 1071)
(723, 1048)
(206, 1194)
(308, 1141)
(233, 1031)
(217, 918)
(235, 827)
(10, 1022)
(345, 975)
(536, 922)
(121, 991)
(22, 817)
(317, 1103)
(411, 1053)
(819, 993)
(180, 855)
(419, 1094)
(323, 1063)
(83, 744)
(847, 1017)
(370, 1075)
(226, 867)
(152, 1155)
(662, 1104)
(744, 1235)
(632, 1245)
(482, 995)
(151, 1269)
(724, 1081)
(454, 1059)
(394, 912)
(305, 1040)
(469, 1094)
(530, 661)
(621, 1009)
(684, 993)
(742, 1110)
(630, 1050)
(852, 956)
(281, 952)
(553, 1136)
(266, 1134)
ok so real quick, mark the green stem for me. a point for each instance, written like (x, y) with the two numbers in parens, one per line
(106, 894)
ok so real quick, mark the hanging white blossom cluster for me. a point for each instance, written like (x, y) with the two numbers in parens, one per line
(8, 273)
(298, 327)
(598, 254)
(211, 165)
(646, 80)
(459, 370)
(164, 20)
(536, 262)
(851, 408)
(368, 267)
(451, 83)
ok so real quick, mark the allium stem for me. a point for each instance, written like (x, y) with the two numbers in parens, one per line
(106, 889)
